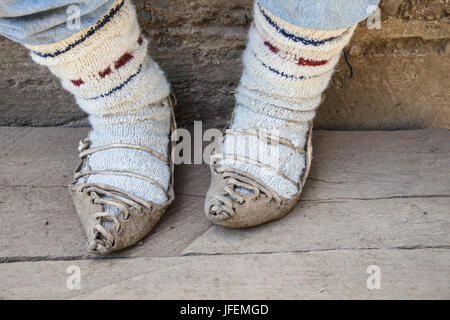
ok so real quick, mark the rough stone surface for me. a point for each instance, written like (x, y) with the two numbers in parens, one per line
(354, 198)
(335, 274)
(373, 198)
(401, 71)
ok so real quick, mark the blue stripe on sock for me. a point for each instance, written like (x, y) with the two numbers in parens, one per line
(118, 87)
(291, 36)
(282, 74)
(98, 26)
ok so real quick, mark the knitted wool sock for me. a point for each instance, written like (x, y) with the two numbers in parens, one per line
(124, 92)
(286, 69)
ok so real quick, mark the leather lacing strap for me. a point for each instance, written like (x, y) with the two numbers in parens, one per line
(102, 194)
(237, 178)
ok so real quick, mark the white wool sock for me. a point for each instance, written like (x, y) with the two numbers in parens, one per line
(286, 69)
(124, 92)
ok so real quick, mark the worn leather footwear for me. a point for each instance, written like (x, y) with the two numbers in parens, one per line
(230, 208)
(106, 231)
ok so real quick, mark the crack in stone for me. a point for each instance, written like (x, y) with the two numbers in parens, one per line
(5, 260)
(412, 247)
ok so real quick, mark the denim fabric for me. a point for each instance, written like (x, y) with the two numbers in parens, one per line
(46, 21)
(321, 14)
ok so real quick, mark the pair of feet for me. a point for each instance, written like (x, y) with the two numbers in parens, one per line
(124, 182)
(114, 218)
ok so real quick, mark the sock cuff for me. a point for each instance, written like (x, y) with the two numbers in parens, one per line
(71, 47)
(107, 66)
(99, 73)
(290, 37)
(295, 33)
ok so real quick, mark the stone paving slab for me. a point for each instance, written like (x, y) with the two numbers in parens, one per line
(337, 274)
(41, 224)
(364, 224)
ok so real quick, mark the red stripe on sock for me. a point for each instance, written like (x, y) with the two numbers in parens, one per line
(105, 72)
(78, 82)
(140, 40)
(311, 63)
(271, 47)
(123, 60)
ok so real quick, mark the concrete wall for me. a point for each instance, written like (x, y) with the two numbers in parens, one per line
(401, 72)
